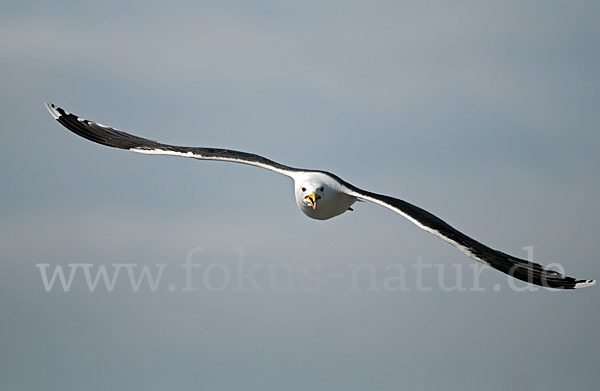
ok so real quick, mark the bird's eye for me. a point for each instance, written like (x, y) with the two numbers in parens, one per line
(303, 189)
(322, 188)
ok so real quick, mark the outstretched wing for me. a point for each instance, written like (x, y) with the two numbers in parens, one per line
(111, 137)
(518, 268)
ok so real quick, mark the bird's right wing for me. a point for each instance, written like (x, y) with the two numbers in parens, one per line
(111, 137)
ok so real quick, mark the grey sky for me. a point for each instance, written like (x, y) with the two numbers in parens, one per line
(485, 113)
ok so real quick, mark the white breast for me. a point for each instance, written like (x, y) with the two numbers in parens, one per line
(333, 200)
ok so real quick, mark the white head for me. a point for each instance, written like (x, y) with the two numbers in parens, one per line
(320, 196)
(310, 194)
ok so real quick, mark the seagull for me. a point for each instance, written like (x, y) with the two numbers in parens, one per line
(322, 195)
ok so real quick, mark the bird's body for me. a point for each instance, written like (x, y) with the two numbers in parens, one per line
(332, 199)
(321, 195)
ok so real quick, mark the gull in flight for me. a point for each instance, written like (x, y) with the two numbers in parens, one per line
(322, 195)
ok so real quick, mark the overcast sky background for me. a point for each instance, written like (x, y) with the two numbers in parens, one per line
(484, 113)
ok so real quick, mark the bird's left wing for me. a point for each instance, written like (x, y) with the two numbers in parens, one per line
(111, 137)
(518, 268)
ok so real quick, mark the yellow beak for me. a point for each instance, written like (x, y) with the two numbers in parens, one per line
(313, 199)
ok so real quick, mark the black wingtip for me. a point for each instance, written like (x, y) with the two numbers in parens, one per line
(53, 110)
(585, 283)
